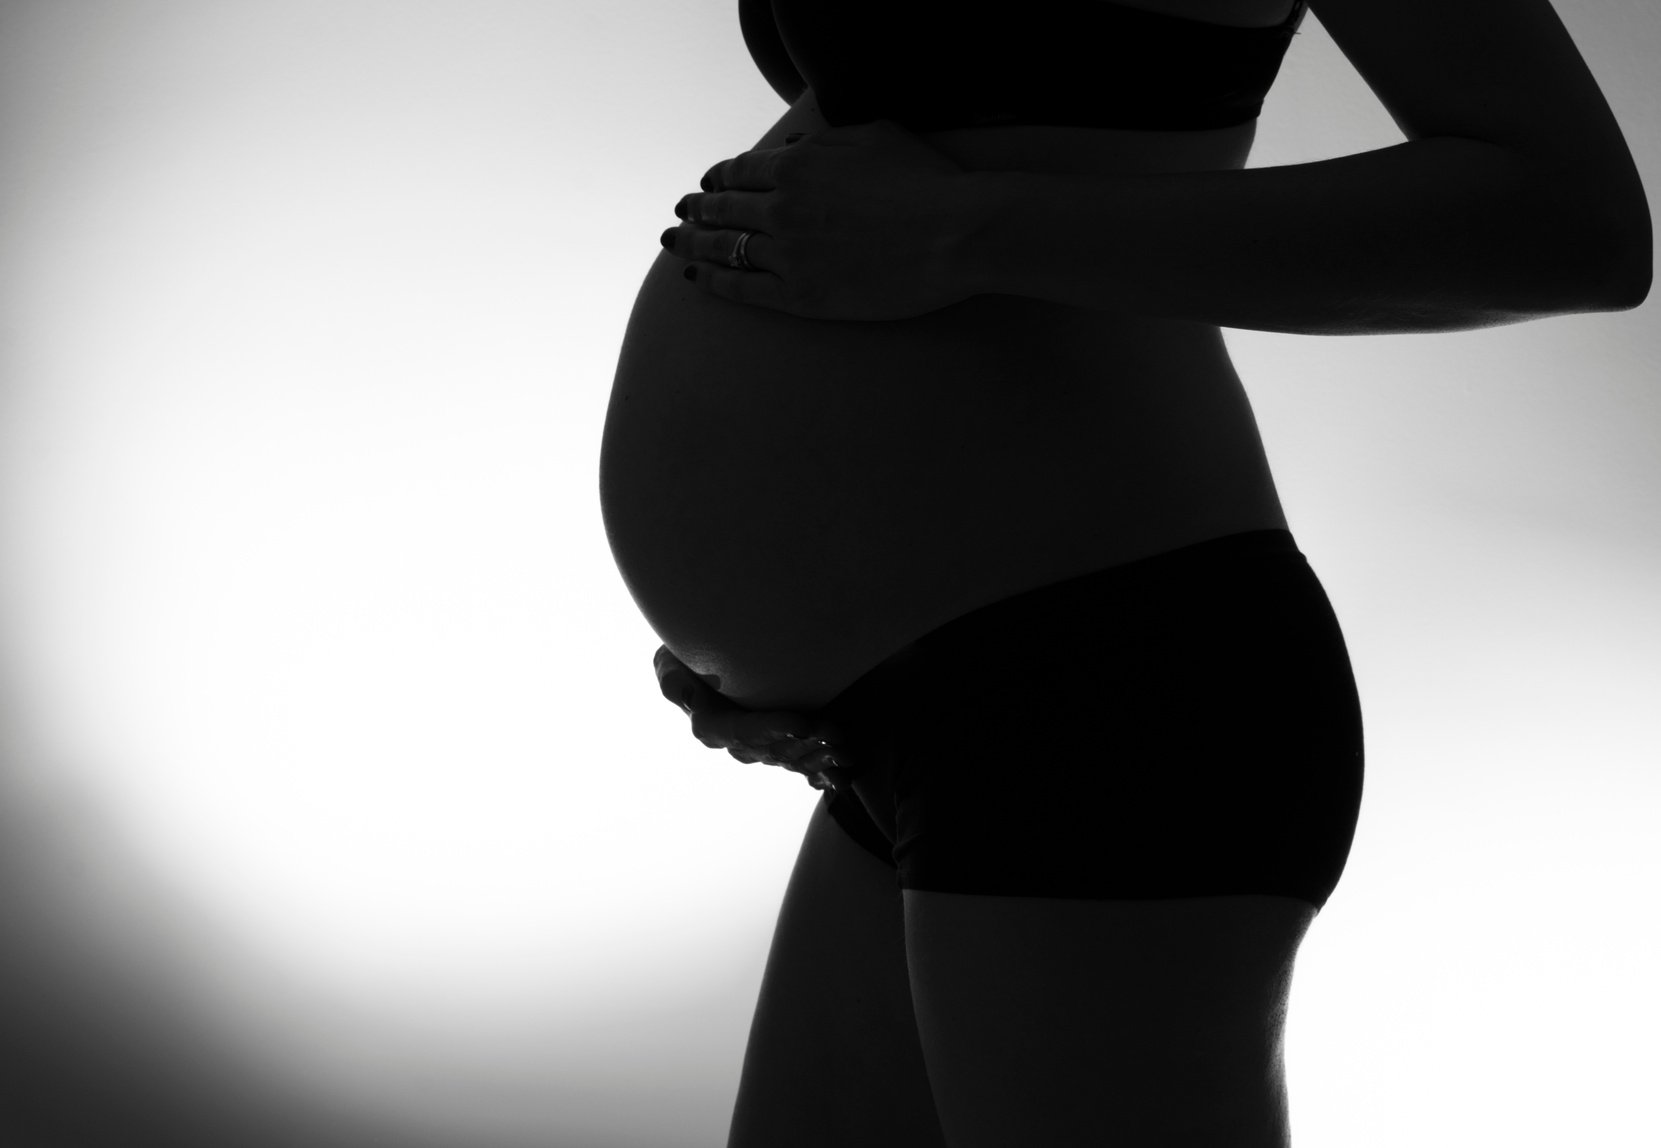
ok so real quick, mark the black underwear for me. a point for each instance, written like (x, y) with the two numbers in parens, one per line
(1185, 725)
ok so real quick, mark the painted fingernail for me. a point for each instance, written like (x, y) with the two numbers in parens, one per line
(707, 184)
(680, 208)
(691, 272)
(668, 239)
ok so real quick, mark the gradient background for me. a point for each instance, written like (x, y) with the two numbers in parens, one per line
(338, 805)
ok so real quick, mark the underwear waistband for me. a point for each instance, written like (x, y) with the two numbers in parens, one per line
(1079, 596)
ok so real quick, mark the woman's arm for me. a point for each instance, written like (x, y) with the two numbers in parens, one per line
(1514, 198)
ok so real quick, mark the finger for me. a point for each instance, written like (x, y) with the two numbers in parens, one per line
(832, 778)
(752, 288)
(711, 727)
(663, 660)
(807, 753)
(799, 732)
(809, 729)
(680, 685)
(716, 245)
(672, 676)
(755, 753)
(727, 725)
(770, 755)
(770, 725)
(740, 210)
(819, 761)
(791, 754)
(776, 746)
(751, 169)
(732, 725)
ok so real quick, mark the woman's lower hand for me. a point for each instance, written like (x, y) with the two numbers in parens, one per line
(801, 743)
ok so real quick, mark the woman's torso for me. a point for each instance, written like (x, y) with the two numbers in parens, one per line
(791, 501)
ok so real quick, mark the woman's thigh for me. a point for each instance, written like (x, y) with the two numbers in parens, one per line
(1075, 1023)
(833, 1058)
(1116, 804)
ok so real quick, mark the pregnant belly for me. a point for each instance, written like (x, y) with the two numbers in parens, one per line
(790, 501)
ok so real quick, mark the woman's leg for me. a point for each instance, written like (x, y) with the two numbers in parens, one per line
(1083, 1023)
(1120, 804)
(833, 1059)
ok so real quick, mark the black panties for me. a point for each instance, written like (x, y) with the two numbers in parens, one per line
(1185, 725)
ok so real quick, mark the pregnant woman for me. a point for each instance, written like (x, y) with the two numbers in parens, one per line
(926, 460)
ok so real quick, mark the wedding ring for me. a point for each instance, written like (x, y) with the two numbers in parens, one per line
(739, 258)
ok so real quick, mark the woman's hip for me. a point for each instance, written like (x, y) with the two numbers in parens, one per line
(1141, 717)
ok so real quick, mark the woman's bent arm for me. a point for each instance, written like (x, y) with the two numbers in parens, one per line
(1436, 234)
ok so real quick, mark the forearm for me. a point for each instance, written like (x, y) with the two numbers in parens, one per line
(1439, 234)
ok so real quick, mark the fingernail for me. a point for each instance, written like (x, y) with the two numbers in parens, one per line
(691, 272)
(680, 208)
(686, 699)
(793, 137)
(668, 239)
(707, 184)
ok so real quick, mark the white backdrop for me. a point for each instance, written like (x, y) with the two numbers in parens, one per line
(337, 801)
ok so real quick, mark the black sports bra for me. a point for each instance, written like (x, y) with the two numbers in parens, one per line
(931, 65)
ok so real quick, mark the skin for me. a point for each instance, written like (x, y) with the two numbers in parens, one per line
(801, 743)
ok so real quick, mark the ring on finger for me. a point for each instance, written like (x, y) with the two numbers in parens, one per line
(739, 256)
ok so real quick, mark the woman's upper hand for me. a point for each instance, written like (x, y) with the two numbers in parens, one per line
(852, 223)
(802, 743)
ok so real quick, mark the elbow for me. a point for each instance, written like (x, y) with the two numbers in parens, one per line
(1629, 282)
(1632, 296)
(1601, 248)
(1628, 263)
(1604, 274)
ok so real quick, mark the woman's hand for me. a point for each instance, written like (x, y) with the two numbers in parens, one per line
(851, 223)
(801, 743)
